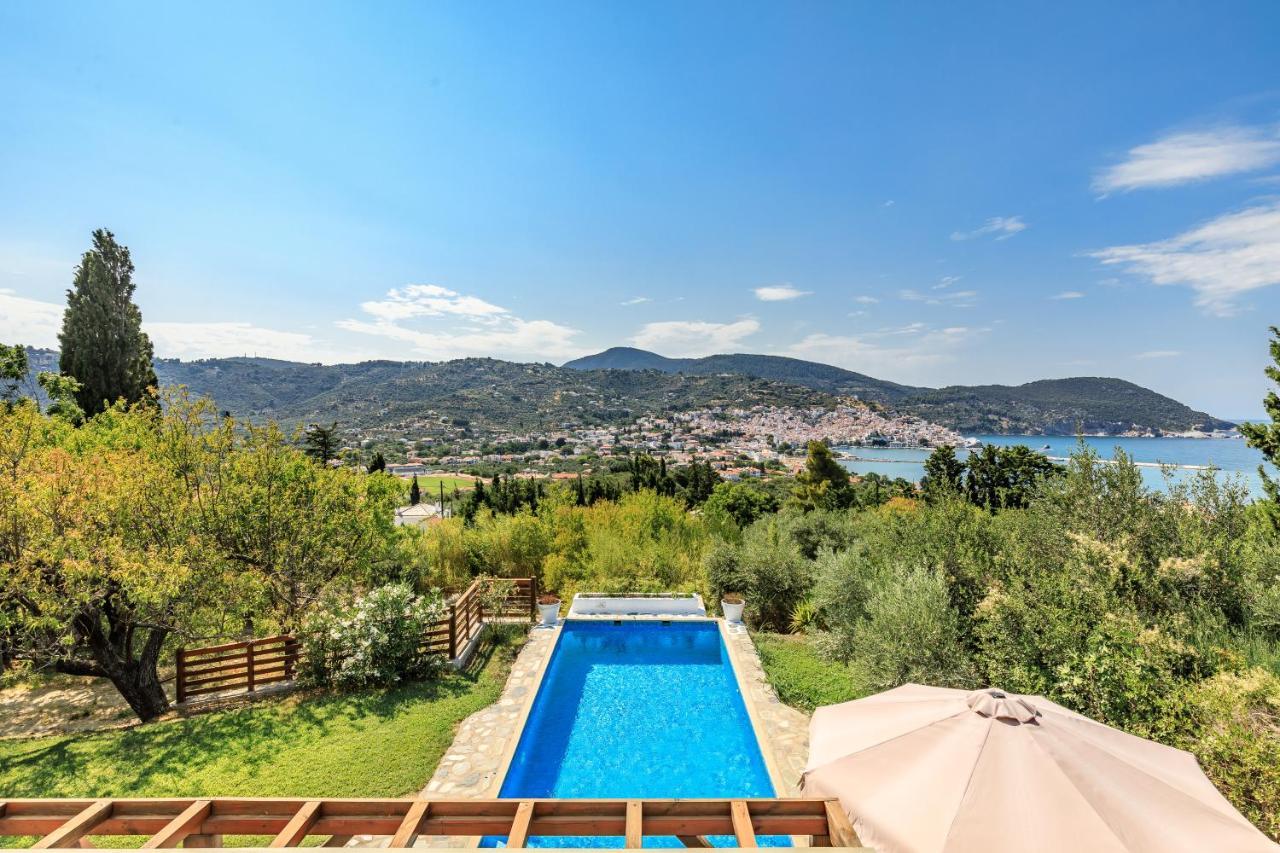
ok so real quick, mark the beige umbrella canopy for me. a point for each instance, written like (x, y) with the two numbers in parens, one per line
(926, 769)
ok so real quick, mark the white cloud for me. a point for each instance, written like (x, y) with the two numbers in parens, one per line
(429, 300)
(36, 323)
(29, 321)
(635, 300)
(779, 293)
(1003, 227)
(509, 337)
(1193, 156)
(692, 338)
(865, 300)
(954, 298)
(225, 340)
(902, 352)
(1219, 260)
(452, 325)
(1068, 294)
(945, 282)
(1159, 353)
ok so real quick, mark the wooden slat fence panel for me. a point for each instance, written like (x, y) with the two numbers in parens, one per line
(245, 666)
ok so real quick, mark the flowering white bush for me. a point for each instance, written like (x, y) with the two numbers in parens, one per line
(374, 639)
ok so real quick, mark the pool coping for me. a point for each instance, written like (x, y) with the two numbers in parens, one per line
(517, 730)
(781, 787)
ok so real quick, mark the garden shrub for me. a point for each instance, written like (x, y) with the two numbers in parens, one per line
(1233, 728)
(767, 569)
(373, 639)
(909, 634)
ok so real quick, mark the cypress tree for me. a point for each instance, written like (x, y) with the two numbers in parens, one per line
(1266, 436)
(415, 492)
(102, 343)
(321, 442)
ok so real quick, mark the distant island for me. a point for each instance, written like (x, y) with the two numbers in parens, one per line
(1089, 404)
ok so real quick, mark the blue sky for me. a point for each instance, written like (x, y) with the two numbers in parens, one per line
(955, 193)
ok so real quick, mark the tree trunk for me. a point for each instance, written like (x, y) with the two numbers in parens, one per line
(134, 673)
(141, 688)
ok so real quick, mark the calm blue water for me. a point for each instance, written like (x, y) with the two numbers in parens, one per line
(637, 710)
(1232, 456)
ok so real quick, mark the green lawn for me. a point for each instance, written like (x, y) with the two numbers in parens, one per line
(799, 676)
(430, 486)
(382, 743)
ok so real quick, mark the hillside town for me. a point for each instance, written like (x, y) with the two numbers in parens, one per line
(736, 442)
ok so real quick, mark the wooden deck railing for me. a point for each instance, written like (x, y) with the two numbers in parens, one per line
(245, 666)
(168, 823)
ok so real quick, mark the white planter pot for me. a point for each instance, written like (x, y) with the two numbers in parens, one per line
(549, 613)
(732, 612)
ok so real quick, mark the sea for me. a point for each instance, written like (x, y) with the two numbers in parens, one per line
(1162, 461)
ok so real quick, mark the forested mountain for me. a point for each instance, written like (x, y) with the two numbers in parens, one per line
(1057, 407)
(502, 395)
(811, 374)
(482, 393)
(1049, 406)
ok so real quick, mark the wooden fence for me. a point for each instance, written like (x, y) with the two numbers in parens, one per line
(245, 666)
(167, 823)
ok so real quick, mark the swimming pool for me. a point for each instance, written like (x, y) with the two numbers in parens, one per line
(637, 709)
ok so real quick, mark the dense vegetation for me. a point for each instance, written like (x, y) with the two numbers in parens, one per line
(1157, 613)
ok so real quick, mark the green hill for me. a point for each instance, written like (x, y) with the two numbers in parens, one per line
(1093, 404)
(1048, 406)
(811, 374)
(498, 395)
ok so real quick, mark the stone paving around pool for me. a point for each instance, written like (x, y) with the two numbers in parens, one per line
(785, 731)
(473, 761)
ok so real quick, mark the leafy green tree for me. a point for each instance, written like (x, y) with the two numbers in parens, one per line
(321, 442)
(943, 473)
(415, 492)
(824, 482)
(1266, 436)
(742, 502)
(13, 371)
(102, 343)
(1006, 477)
(59, 389)
(297, 527)
(378, 463)
(101, 561)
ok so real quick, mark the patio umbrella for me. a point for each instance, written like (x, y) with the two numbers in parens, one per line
(927, 769)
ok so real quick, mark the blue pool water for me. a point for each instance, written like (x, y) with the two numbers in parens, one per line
(637, 709)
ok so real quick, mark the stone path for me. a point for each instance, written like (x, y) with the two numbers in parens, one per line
(471, 765)
(785, 730)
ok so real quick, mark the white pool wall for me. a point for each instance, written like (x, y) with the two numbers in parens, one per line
(638, 605)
